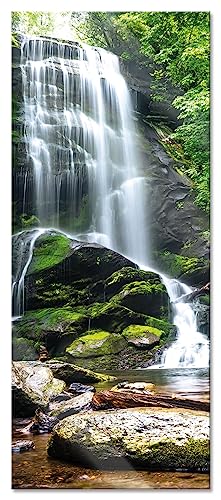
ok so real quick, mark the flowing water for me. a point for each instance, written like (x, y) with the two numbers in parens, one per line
(79, 136)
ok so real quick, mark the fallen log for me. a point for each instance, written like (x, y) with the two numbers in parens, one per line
(190, 296)
(105, 400)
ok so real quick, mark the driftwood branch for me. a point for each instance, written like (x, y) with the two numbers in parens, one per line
(190, 296)
(105, 400)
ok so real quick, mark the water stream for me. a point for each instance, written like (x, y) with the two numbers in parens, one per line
(79, 135)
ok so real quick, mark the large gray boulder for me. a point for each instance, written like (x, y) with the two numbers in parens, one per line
(33, 386)
(153, 440)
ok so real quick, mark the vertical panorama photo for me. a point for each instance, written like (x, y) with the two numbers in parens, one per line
(110, 250)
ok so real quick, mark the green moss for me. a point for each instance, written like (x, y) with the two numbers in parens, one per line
(205, 299)
(176, 265)
(128, 274)
(36, 324)
(137, 331)
(29, 221)
(96, 343)
(24, 349)
(142, 288)
(49, 251)
(167, 454)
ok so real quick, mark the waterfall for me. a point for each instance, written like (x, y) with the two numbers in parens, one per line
(79, 135)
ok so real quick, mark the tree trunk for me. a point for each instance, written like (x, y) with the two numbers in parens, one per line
(190, 296)
(109, 399)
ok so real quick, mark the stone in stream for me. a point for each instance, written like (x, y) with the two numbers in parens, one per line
(137, 387)
(33, 386)
(77, 388)
(144, 438)
(19, 446)
(71, 373)
(77, 404)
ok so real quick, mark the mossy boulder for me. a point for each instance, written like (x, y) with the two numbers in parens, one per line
(73, 373)
(54, 327)
(146, 439)
(24, 349)
(145, 337)
(33, 386)
(191, 270)
(115, 283)
(144, 297)
(67, 272)
(50, 249)
(96, 343)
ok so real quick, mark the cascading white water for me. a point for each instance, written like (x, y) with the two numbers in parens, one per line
(79, 131)
(23, 245)
(78, 125)
(191, 349)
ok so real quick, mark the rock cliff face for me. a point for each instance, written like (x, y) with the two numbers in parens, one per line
(174, 221)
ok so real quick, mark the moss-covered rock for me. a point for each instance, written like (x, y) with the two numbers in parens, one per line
(33, 386)
(55, 327)
(142, 336)
(126, 275)
(159, 440)
(96, 343)
(73, 373)
(24, 349)
(191, 270)
(143, 297)
(50, 249)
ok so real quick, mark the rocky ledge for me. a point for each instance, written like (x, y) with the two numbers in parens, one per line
(144, 438)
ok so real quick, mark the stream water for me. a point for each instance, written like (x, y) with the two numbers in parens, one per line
(34, 469)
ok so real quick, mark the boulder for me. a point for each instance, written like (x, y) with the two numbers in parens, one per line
(33, 386)
(96, 343)
(74, 405)
(152, 440)
(77, 388)
(144, 337)
(73, 373)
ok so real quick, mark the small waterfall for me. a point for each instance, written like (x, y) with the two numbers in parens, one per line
(23, 246)
(191, 349)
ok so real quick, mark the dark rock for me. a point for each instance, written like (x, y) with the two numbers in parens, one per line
(20, 446)
(42, 423)
(75, 405)
(77, 388)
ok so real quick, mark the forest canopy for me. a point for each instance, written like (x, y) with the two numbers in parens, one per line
(177, 47)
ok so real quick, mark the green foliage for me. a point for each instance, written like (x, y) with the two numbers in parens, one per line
(33, 23)
(176, 45)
